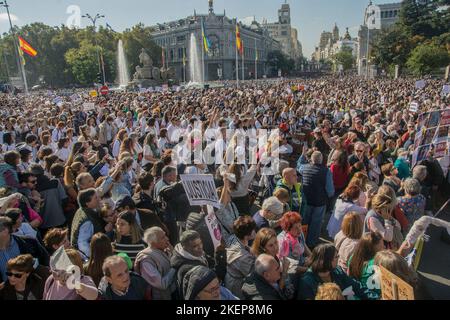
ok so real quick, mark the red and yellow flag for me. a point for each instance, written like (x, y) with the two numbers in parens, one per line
(239, 45)
(27, 48)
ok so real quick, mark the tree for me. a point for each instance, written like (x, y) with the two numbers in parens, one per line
(83, 63)
(427, 58)
(279, 61)
(136, 39)
(345, 58)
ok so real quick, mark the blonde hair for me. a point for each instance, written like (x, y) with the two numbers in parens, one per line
(329, 291)
(281, 194)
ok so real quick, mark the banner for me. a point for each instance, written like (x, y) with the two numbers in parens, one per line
(420, 84)
(394, 288)
(433, 136)
(213, 227)
(200, 189)
(445, 89)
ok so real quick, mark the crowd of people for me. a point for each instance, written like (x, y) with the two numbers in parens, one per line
(308, 214)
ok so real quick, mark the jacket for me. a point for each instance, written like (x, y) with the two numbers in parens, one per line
(138, 286)
(182, 261)
(154, 266)
(295, 195)
(150, 219)
(257, 288)
(240, 263)
(5, 170)
(308, 284)
(34, 285)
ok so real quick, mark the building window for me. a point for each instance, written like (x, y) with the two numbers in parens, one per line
(284, 33)
(181, 39)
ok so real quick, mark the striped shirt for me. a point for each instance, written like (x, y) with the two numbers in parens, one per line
(125, 246)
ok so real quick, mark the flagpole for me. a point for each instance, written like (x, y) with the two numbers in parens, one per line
(203, 50)
(24, 75)
(256, 60)
(237, 58)
(17, 53)
(243, 64)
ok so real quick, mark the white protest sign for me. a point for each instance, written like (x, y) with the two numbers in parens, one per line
(200, 189)
(57, 101)
(60, 260)
(420, 84)
(88, 106)
(213, 227)
(413, 107)
(445, 89)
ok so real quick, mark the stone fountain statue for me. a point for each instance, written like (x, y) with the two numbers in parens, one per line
(148, 75)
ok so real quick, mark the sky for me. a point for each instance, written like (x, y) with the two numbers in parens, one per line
(310, 17)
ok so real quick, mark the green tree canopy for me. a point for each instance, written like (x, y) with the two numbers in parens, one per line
(345, 58)
(427, 58)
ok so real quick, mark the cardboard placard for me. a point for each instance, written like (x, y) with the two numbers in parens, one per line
(200, 189)
(394, 288)
(213, 227)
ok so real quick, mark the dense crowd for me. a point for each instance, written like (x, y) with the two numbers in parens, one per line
(309, 213)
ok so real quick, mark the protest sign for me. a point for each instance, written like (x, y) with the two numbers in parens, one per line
(394, 288)
(433, 135)
(93, 93)
(414, 107)
(200, 189)
(88, 106)
(446, 89)
(58, 101)
(420, 84)
(213, 226)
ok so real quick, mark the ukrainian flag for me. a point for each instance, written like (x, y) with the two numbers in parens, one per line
(206, 43)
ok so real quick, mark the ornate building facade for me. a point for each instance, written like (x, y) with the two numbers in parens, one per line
(220, 61)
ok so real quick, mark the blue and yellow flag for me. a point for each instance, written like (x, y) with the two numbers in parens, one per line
(206, 43)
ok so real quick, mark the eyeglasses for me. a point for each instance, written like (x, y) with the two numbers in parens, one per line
(359, 150)
(15, 275)
(32, 181)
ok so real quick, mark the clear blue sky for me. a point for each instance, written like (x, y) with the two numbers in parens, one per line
(310, 17)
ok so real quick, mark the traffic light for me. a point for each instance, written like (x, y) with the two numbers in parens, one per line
(99, 78)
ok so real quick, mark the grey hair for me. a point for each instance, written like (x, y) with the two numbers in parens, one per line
(411, 186)
(151, 235)
(188, 236)
(262, 263)
(420, 172)
(110, 262)
(316, 157)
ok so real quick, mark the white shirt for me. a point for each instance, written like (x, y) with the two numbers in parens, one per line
(63, 154)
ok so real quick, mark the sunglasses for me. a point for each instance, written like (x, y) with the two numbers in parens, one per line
(359, 150)
(33, 181)
(15, 275)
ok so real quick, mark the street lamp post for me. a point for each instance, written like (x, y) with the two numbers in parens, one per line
(101, 66)
(20, 68)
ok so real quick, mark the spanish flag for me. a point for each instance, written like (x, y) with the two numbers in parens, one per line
(206, 42)
(22, 58)
(27, 48)
(240, 47)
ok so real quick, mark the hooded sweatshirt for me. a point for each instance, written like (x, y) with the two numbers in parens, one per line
(182, 261)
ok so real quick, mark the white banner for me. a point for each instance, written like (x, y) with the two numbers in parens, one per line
(200, 189)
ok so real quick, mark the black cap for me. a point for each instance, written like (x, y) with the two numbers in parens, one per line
(125, 201)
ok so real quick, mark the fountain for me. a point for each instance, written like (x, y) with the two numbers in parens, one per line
(195, 67)
(122, 66)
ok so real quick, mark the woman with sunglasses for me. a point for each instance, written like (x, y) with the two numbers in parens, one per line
(22, 283)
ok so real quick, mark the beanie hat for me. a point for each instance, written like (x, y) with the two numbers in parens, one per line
(195, 280)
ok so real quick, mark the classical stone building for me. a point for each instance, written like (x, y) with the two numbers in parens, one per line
(283, 32)
(220, 62)
(387, 15)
